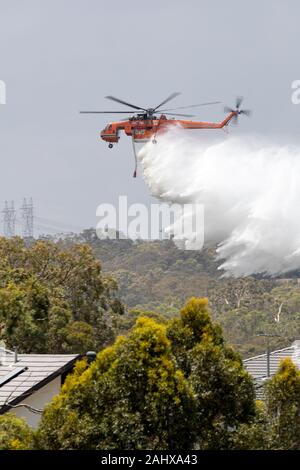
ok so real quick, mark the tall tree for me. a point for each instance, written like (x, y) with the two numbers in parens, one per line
(276, 424)
(283, 405)
(132, 397)
(224, 390)
(166, 386)
(54, 298)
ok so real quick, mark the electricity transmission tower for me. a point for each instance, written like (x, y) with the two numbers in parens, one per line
(27, 218)
(9, 219)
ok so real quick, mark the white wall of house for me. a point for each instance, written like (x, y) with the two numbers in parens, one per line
(38, 400)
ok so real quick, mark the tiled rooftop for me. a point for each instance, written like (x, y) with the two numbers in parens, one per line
(37, 368)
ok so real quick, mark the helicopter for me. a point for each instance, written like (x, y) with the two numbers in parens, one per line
(146, 123)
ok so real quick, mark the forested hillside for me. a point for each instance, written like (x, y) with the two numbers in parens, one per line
(158, 277)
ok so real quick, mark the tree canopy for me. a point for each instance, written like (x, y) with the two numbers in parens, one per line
(158, 276)
(15, 434)
(164, 386)
(224, 390)
(283, 406)
(276, 425)
(53, 298)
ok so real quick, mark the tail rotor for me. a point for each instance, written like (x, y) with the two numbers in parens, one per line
(237, 110)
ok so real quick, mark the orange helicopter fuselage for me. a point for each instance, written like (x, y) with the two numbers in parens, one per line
(143, 130)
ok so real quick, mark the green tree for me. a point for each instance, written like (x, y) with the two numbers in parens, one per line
(276, 424)
(172, 385)
(283, 406)
(132, 397)
(224, 390)
(54, 298)
(15, 434)
(255, 435)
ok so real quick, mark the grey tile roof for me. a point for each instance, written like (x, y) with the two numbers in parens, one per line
(41, 368)
(257, 366)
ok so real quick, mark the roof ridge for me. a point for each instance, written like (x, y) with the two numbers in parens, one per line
(47, 355)
(264, 354)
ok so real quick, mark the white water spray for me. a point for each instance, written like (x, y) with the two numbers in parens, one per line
(250, 190)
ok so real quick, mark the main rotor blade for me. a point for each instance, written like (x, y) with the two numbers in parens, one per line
(247, 112)
(228, 110)
(124, 102)
(106, 112)
(177, 114)
(173, 95)
(192, 106)
(239, 101)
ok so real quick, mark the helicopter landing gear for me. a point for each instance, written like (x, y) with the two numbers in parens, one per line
(154, 141)
(110, 146)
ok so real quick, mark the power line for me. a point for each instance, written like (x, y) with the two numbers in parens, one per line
(60, 225)
(9, 219)
(27, 218)
(27, 223)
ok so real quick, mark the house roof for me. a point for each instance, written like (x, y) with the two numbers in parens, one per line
(257, 365)
(30, 373)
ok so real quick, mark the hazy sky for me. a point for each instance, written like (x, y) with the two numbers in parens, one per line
(60, 56)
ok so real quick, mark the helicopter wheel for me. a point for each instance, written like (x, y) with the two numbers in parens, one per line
(110, 146)
(154, 141)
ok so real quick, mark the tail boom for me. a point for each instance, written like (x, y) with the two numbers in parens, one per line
(207, 125)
